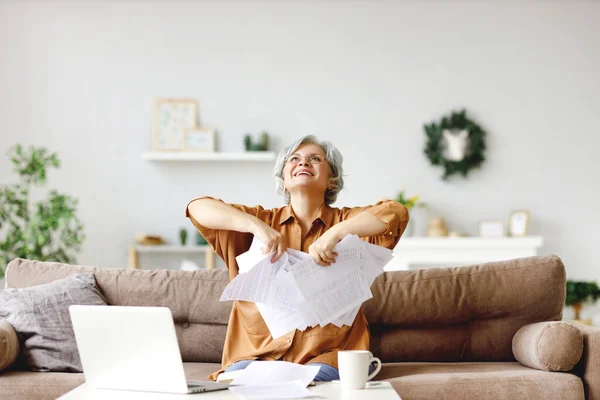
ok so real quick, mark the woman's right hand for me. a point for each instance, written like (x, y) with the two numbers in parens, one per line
(272, 240)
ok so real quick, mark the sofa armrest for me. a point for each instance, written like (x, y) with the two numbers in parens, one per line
(548, 346)
(9, 345)
(589, 365)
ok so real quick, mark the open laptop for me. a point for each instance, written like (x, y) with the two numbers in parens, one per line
(132, 348)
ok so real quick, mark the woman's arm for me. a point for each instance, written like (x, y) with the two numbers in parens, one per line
(383, 223)
(215, 214)
(362, 224)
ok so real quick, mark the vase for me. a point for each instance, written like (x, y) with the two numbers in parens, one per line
(410, 228)
(183, 236)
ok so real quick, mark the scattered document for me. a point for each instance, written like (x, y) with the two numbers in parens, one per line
(274, 380)
(271, 372)
(296, 293)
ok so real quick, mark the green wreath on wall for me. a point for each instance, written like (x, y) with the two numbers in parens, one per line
(456, 143)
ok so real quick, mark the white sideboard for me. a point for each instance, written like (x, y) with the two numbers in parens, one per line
(423, 252)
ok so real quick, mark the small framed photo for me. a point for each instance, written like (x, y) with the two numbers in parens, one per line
(518, 222)
(171, 118)
(200, 139)
(491, 229)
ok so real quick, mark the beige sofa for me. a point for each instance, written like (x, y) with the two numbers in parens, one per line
(441, 333)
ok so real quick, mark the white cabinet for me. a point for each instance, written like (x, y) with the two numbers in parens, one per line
(136, 250)
(423, 252)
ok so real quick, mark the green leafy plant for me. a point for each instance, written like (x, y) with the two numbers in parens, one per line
(579, 292)
(262, 144)
(46, 230)
(409, 202)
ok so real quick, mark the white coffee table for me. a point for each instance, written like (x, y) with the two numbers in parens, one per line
(376, 390)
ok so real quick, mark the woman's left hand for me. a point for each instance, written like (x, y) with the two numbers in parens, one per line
(322, 249)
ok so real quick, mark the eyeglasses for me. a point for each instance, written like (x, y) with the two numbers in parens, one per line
(313, 159)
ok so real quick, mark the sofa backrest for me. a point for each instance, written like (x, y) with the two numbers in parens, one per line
(443, 314)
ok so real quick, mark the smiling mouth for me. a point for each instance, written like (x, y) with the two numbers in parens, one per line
(303, 173)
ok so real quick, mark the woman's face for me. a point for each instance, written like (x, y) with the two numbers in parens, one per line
(307, 169)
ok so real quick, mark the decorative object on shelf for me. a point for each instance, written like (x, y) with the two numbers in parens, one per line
(437, 227)
(200, 139)
(409, 202)
(46, 230)
(171, 119)
(517, 223)
(262, 144)
(187, 265)
(454, 234)
(149, 240)
(491, 229)
(200, 241)
(578, 292)
(456, 143)
(183, 235)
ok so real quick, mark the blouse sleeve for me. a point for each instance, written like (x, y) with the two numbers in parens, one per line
(229, 244)
(390, 212)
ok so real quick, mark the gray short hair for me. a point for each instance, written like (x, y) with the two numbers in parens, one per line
(334, 159)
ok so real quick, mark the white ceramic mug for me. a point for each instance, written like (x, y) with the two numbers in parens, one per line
(354, 368)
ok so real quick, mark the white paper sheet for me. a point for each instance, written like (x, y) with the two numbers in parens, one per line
(288, 390)
(295, 292)
(331, 291)
(271, 372)
(284, 318)
(252, 257)
(258, 284)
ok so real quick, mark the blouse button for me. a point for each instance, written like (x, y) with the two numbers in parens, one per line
(186, 324)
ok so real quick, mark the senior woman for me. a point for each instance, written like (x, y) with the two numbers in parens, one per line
(309, 175)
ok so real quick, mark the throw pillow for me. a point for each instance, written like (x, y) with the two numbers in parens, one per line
(40, 316)
(548, 346)
(9, 345)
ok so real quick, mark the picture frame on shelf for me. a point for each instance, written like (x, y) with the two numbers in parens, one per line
(491, 229)
(200, 139)
(170, 120)
(518, 222)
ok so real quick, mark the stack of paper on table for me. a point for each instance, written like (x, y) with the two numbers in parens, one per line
(274, 380)
(295, 292)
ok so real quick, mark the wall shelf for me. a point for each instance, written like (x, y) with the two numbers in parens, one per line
(167, 248)
(215, 156)
(137, 249)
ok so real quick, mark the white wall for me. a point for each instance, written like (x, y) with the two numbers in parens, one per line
(80, 77)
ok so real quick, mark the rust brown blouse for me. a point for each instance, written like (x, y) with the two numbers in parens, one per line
(248, 337)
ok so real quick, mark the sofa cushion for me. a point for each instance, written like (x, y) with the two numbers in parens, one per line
(9, 344)
(199, 371)
(26, 385)
(193, 297)
(40, 316)
(549, 346)
(464, 313)
(479, 380)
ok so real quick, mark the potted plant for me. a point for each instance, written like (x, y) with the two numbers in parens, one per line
(46, 230)
(410, 203)
(579, 292)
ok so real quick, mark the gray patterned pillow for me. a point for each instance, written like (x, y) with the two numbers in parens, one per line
(40, 315)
